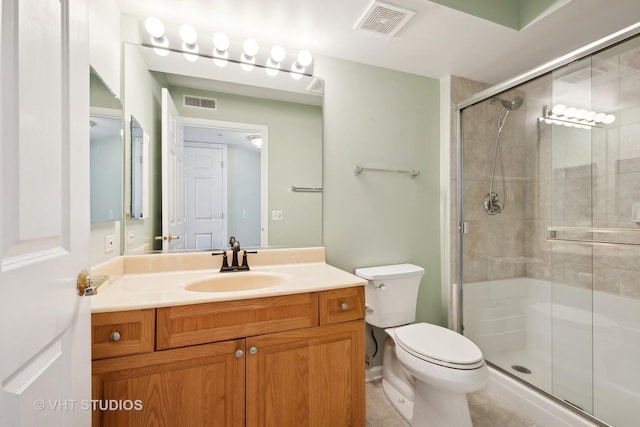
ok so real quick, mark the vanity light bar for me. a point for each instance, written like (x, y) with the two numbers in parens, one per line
(222, 49)
(575, 117)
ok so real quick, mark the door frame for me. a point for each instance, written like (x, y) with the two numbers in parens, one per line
(264, 162)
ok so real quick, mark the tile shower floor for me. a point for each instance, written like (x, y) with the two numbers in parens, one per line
(486, 411)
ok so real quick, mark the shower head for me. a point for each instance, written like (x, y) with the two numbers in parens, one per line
(509, 105)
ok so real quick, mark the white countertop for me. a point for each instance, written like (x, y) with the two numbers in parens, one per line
(152, 290)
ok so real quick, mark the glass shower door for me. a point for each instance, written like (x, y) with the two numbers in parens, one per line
(571, 174)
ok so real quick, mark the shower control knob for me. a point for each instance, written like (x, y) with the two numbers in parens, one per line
(239, 353)
(344, 306)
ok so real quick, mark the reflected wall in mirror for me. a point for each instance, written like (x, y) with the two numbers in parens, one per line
(250, 197)
(106, 165)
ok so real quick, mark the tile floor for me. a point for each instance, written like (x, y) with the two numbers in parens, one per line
(486, 411)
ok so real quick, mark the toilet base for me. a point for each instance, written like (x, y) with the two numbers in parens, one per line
(437, 407)
(400, 403)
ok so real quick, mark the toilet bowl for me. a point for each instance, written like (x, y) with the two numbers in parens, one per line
(427, 369)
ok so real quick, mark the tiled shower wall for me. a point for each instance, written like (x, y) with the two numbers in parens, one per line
(554, 176)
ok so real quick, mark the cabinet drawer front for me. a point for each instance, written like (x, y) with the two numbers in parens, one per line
(203, 323)
(341, 305)
(122, 333)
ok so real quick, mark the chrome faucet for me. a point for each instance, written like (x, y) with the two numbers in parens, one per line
(235, 266)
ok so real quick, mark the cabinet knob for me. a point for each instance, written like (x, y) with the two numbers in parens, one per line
(239, 353)
(253, 350)
(344, 306)
(115, 336)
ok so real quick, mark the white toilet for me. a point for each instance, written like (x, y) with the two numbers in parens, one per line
(427, 370)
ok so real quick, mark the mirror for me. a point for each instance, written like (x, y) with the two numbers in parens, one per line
(270, 196)
(106, 166)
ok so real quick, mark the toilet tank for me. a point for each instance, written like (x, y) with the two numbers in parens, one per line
(391, 293)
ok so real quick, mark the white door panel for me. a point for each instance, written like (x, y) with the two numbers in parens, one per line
(205, 179)
(173, 209)
(44, 188)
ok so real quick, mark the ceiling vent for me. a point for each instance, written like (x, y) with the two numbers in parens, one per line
(200, 102)
(384, 19)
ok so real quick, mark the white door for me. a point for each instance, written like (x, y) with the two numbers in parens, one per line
(205, 196)
(45, 357)
(173, 211)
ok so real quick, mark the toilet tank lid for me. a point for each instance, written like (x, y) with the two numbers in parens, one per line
(386, 272)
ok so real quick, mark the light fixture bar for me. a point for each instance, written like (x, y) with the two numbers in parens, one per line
(574, 117)
(222, 49)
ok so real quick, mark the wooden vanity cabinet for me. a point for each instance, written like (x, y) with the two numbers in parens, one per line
(192, 386)
(310, 377)
(307, 370)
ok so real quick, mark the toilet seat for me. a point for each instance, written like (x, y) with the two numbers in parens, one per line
(438, 345)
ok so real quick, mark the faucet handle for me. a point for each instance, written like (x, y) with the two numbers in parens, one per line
(245, 263)
(232, 241)
(225, 262)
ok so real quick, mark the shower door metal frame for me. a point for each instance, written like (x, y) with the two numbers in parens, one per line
(583, 52)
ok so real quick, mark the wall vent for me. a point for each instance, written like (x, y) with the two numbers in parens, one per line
(384, 19)
(200, 102)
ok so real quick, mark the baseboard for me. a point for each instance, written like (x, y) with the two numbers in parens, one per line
(373, 374)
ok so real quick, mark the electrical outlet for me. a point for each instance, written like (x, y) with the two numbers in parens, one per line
(130, 237)
(276, 215)
(109, 243)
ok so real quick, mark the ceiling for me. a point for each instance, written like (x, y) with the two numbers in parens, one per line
(438, 41)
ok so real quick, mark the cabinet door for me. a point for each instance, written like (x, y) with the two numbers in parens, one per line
(194, 386)
(310, 377)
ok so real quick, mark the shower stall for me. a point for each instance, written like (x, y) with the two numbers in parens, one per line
(548, 208)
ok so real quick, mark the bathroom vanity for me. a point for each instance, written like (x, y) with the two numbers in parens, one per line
(290, 354)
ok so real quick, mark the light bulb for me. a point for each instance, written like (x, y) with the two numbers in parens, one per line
(220, 58)
(250, 47)
(161, 46)
(608, 119)
(590, 116)
(581, 113)
(272, 68)
(558, 109)
(154, 27)
(221, 41)
(599, 118)
(304, 58)
(188, 34)
(570, 112)
(278, 54)
(247, 62)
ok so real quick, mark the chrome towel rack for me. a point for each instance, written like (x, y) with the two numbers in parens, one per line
(359, 169)
(306, 189)
(552, 235)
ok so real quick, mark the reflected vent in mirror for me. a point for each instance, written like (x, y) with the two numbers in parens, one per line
(200, 102)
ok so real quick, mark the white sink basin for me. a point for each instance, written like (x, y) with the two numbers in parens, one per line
(237, 281)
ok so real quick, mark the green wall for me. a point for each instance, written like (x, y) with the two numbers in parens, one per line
(376, 117)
